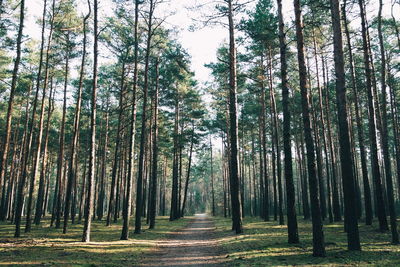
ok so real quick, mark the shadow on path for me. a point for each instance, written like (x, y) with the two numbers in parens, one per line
(194, 245)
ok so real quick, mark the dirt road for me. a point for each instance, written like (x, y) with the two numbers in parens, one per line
(195, 245)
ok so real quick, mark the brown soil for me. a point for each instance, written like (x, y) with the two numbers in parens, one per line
(195, 245)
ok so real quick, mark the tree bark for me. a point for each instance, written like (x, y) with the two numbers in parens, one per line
(92, 160)
(154, 171)
(74, 147)
(293, 236)
(143, 134)
(376, 174)
(353, 239)
(318, 234)
(233, 127)
(385, 141)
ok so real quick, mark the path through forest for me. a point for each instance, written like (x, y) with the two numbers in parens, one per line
(195, 245)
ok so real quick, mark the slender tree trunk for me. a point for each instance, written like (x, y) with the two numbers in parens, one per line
(353, 239)
(318, 234)
(233, 127)
(188, 172)
(21, 185)
(41, 198)
(376, 174)
(385, 141)
(92, 160)
(212, 180)
(112, 200)
(154, 171)
(36, 155)
(6, 142)
(174, 195)
(360, 130)
(74, 147)
(293, 236)
(127, 206)
(60, 161)
(143, 134)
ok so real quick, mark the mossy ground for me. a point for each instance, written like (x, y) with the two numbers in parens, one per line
(262, 244)
(265, 244)
(47, 246)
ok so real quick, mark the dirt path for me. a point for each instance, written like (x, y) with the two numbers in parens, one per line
(195, 245)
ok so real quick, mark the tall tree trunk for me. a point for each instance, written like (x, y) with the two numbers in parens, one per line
(20, 193)
(127, 206)
(317, 132)
(143, 134)
(36, 156)
(175, 171)
(103, 173)
(61, 152)
(233, 127)
(92, 160)
(360, 130)
(154, 171)
(188, 172)
(113, 189)
(337, 216)
(318, 234)
(41, 198)
(293, 236)
(385, 141)
(353, 239)
(376, 174)
(212, 180)
(6, 142)
(72, 172)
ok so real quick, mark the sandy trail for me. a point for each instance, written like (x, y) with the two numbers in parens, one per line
(194, 245)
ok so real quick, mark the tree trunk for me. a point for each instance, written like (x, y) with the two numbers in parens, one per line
(92, 160)
(143, 134)
(383, 226)
(353, 239)
(174, 195)
(188, 171)
(6, 142)
(385, 141)
(74, 147)
(233, 127)
(318, 234)
(212, 180)
(360, 130)
(293, 236)
(154, 171)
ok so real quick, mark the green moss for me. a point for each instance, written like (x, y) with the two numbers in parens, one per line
(48, 246)
(265, 244)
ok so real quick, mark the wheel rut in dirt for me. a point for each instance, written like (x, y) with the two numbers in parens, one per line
(195, 245)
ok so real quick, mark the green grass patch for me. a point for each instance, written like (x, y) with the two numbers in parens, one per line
(50, 247)
(265, 244)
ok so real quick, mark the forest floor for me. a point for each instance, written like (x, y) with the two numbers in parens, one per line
(46, 246)
(195, 245)
(193, 241)
(265, 244)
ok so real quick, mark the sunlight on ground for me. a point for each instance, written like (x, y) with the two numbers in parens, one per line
(265, 244)
(49, 246)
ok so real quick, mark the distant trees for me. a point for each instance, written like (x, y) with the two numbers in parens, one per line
(68, 145)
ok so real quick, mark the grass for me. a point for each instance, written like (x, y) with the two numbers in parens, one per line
(265, 244)
(262, 244)
(47, 246)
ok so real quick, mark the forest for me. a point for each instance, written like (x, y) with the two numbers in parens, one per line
(113, 152)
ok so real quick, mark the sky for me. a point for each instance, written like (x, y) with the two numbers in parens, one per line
(201, 44)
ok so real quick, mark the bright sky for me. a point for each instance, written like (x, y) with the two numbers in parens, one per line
(201, 44)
